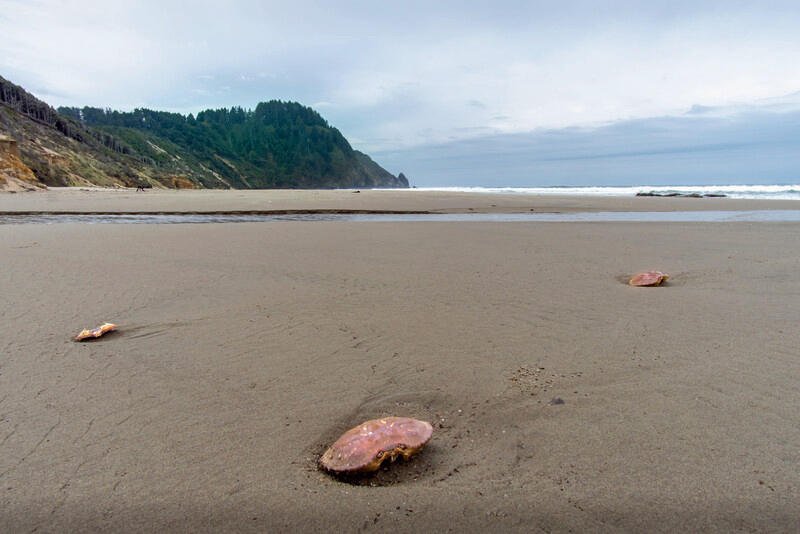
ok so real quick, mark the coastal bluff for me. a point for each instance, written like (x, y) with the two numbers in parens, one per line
(14, 174)
(276, 145)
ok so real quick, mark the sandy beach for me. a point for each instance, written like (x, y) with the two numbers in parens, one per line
(83, 200)
(244, 350)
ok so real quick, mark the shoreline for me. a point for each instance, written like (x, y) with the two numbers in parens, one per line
(376, 216)
(354, 201)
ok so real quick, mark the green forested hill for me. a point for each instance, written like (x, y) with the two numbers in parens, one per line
(278, 144)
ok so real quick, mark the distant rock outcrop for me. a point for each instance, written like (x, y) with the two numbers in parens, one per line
(382, 177)
(678, 195)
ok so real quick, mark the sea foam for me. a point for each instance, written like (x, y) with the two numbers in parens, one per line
(788, 192)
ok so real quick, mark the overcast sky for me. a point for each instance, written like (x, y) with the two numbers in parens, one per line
(453, 93)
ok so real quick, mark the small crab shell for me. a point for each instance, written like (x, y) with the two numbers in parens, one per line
(362, 449)
(97, 332)
(648, 278)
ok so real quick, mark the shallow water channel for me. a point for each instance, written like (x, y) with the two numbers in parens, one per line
(233, 217)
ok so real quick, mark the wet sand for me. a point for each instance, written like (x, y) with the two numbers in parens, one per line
(245, 349)
(82, 200)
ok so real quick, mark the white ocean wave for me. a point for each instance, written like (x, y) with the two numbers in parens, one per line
(791, 191)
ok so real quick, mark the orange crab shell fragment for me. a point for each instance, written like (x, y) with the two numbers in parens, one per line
(364, 448)
(648, 278)
(97, 332)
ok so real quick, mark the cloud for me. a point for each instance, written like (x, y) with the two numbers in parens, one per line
(756, 145)
(410, 75)
(697, 109)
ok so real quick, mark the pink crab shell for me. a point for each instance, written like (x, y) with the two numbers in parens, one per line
(648, 278)
(97, 332)
(364, 448)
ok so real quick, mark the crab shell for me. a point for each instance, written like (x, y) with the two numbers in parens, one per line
(364, 448)
(648, 278)
(97, 332)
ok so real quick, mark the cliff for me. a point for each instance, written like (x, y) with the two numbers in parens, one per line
(15, 175)
(277, 145)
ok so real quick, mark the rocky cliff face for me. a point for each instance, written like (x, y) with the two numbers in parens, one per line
(15, 175)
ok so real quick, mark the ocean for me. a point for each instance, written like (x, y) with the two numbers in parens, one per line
(789, 192)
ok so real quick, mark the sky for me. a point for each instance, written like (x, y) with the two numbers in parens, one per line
(466, 93)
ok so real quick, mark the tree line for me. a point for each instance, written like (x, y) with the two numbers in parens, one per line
(277, 144)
